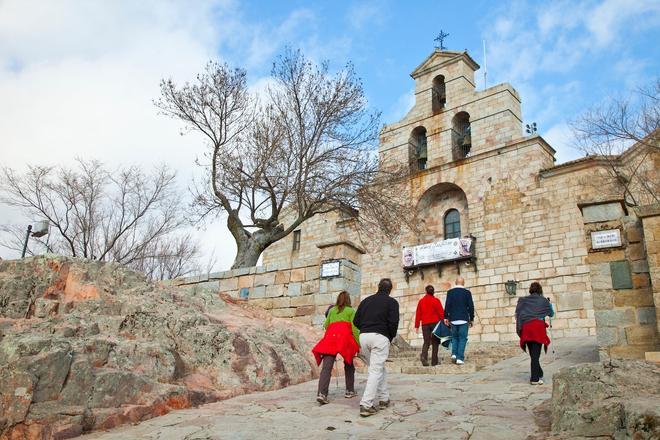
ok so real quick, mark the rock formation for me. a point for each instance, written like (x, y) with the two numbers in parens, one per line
(611, 399)
(88, 345)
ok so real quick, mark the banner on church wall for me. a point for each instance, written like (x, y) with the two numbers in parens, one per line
(437, 252)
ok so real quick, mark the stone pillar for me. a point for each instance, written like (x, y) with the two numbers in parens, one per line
(619, 273)
(348, 255)
(650, 216)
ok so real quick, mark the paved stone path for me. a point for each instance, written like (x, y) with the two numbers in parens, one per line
(495, 403)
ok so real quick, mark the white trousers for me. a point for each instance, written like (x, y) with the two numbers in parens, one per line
(375, 348)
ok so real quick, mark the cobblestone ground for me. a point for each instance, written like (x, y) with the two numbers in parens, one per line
(495, 403)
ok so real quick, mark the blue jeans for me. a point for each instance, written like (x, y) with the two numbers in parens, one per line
(459, 336)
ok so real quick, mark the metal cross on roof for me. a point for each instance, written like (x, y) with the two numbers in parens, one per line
(440, 38)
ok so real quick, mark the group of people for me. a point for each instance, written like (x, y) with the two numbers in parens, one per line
(369, 330)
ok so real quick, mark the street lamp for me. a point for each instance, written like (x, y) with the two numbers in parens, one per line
(40, 229)
(510, 286)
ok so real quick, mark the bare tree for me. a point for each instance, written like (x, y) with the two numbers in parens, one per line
(625, 133)
(124, 215)
(308, 149)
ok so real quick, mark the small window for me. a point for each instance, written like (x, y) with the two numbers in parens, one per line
(418, 149)
(452, 224)
(461, 136)
(296, 240)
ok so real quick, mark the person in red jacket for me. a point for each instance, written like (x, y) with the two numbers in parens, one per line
(429, 313)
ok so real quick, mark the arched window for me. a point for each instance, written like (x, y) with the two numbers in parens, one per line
(438, 94)
(418, 148)
(461, 136)
(452, 224)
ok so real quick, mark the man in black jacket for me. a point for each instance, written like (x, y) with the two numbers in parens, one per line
(377, 317)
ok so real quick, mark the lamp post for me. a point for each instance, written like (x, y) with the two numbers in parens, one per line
(27, 236)
(40, 229)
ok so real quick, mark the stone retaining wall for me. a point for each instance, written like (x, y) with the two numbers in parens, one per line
(298, 292)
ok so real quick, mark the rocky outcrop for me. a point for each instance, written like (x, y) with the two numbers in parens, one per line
(89, 345)
(611, 399)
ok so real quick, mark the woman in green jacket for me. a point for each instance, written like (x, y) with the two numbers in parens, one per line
(341, 337)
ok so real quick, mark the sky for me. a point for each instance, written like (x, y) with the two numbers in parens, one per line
(78, 77)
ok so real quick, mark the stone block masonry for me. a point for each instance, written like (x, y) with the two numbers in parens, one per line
(624, 303)
(297, 292)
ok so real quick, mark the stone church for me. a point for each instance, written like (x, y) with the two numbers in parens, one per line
(479, 180)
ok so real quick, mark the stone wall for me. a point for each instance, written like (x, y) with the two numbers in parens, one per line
(298, 292)
(527, 226)
(650, 217)
(622, 293)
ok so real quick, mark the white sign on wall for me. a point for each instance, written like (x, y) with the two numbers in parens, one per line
(330, 269)
(605, 239)
(443, 250)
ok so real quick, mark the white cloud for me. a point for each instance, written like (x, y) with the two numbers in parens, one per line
(78, 80)
(548, 43)
(366, 15)
(78, 77)
(560, 137)
(401, 107)
(605, 20)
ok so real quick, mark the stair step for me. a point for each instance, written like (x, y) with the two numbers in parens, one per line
(419, 369)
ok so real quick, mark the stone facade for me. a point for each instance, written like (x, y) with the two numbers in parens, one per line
(467, 152)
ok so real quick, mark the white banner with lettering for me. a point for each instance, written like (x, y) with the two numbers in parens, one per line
(443, 250)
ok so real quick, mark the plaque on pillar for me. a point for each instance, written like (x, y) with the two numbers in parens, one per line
(605, 239)
(330, 269)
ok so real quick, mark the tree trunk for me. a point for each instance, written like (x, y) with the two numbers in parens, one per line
(248, 252)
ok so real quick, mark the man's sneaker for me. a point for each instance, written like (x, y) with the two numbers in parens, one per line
(538, 382)
(459, 362)
(383, 404)
(367, 411)
(322, 399)
(350, 394)
(453, 358)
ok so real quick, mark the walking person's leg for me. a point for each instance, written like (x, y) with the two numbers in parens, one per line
(454, 341)
(383, 393)
(534, 349)
(324, 378)
(378, 352)
(349, 374)
(435, 344)
(462, 332)
(365, 350)
(426, 333)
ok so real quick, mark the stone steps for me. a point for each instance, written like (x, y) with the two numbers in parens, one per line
(408, 362)
(443, 368)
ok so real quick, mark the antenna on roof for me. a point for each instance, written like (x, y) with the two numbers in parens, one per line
(485, 68)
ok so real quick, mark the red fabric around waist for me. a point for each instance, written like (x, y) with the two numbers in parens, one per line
(338, 339)
(534, 331)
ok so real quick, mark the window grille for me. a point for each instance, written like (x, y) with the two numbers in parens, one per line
(452, 224)
(296, 240)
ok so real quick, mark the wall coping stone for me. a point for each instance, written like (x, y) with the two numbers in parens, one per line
(648, 210)
(340, 242)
